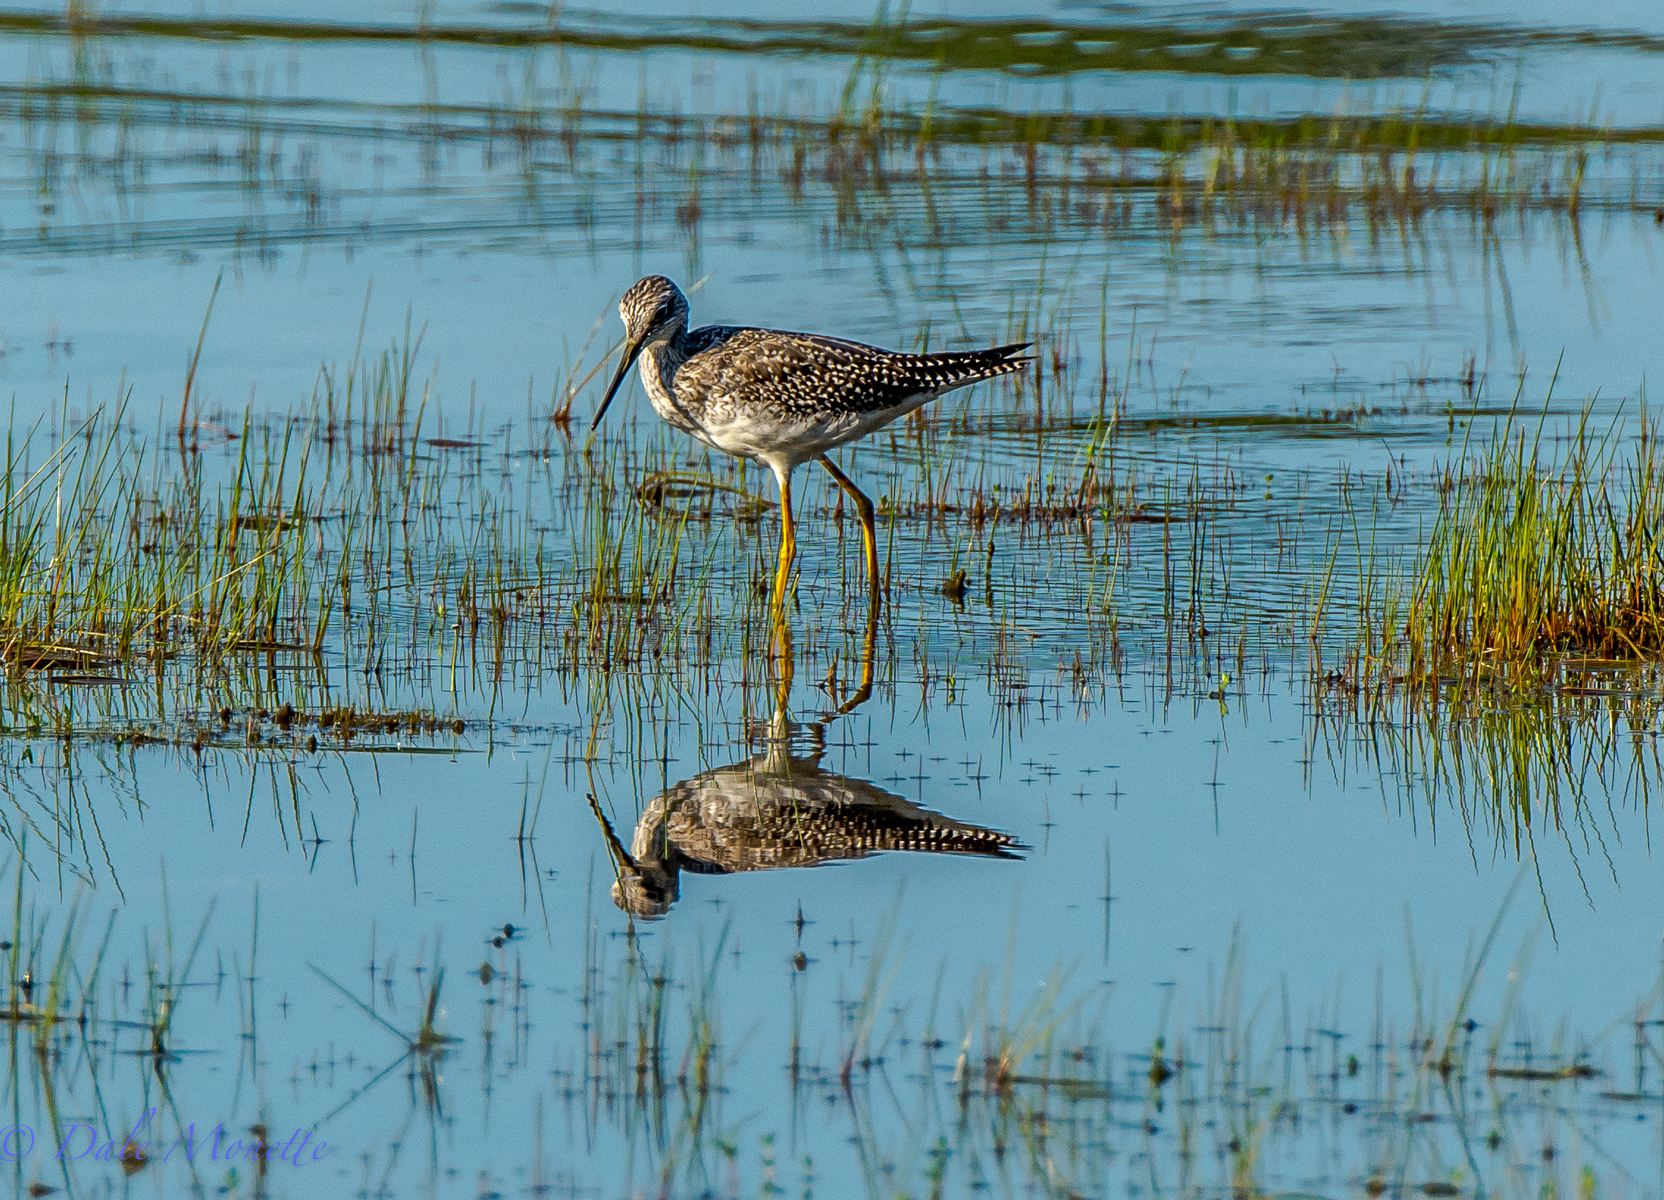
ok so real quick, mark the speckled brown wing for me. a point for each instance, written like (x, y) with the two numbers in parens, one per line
(809, 376)
(773, 812)
(742, 818)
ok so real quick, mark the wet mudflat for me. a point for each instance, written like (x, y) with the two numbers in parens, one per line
(1244, 788)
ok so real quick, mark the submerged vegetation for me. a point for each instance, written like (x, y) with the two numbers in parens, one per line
(121, 153)
(1048, 1088)
(1198, 42)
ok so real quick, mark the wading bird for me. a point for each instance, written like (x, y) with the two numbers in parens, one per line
(776, 810)
(780, 398)
(779, 808)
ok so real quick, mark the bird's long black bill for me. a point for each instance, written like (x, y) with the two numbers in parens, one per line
(631, 351)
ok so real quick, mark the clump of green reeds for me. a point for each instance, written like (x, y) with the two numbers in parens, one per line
(1534, 554)
(101, 558)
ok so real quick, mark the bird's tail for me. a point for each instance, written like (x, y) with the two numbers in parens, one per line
(959, 368)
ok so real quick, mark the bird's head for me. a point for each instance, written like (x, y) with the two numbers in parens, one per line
(654, 309)
(647, 896)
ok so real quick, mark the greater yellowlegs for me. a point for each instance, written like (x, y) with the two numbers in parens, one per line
(779, 809)
(781, 398)
(775, 810)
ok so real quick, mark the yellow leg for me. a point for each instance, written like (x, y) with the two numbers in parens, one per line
(788, 543)
(869, 528)
(780, 727)
(869, 651)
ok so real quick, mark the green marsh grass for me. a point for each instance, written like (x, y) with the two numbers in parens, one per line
(1537, 552)
(354, 576)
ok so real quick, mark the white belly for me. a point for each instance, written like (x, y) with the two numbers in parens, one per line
(782, 442)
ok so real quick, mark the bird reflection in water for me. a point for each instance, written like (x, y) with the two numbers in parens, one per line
(778, 809)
